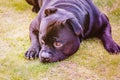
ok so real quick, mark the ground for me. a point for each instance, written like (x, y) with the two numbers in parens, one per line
(90, 62)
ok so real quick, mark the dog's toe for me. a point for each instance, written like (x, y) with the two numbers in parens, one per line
(32, 54)
(113, 48)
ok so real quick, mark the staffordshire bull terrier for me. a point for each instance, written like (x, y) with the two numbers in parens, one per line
(61, 25)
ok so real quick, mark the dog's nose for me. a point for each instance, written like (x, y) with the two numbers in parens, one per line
(45, 57)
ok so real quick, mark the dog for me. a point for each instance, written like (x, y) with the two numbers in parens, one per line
(61, 25)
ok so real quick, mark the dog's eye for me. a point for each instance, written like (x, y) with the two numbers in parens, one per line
(57, 44)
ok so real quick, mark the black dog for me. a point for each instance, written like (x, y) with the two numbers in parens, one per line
(61, 25)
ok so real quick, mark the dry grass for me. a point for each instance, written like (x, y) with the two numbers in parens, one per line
(91, 62)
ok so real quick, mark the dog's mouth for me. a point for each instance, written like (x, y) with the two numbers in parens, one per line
(45, 60)
(50, 60)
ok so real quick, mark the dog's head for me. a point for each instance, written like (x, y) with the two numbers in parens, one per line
(59, 35)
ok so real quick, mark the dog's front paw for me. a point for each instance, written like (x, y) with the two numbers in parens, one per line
(32, 53)
(113, 48)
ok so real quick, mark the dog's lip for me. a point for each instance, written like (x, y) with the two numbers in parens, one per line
(45, 60)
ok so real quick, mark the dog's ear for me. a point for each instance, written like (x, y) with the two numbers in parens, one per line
(76, 26)
(49, 11)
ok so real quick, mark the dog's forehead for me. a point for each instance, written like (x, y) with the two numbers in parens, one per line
(49, 29)
(49, 23)
(56, 19)
(45, 24)
(48, 32)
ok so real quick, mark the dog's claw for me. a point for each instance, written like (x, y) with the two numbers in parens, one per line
(32, 53)
(113, 48)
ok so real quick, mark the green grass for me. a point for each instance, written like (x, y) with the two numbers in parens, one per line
(91, 61)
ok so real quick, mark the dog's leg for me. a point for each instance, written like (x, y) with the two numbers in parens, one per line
(33, 51)
(106, 36)
(35, 5)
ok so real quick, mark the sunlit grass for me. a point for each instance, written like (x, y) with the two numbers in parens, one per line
(91, 61)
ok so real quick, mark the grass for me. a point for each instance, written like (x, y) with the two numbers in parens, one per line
(90, 62)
